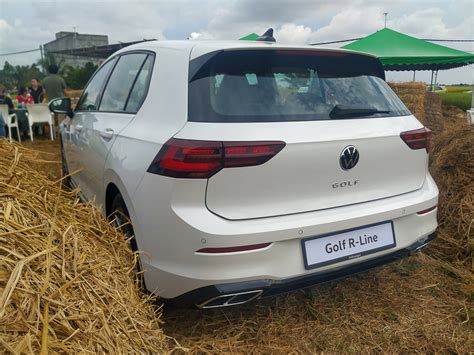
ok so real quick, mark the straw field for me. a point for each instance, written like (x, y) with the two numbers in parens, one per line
(66, 277)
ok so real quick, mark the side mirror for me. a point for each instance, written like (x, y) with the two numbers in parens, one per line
(61, 105)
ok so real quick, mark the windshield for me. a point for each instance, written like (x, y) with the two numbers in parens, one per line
(288, 85)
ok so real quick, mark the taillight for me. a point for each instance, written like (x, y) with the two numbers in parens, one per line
(194, 159)
(417, 139)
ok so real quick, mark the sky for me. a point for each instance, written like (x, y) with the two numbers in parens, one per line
(27, 24)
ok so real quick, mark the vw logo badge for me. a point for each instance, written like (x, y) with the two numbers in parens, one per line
(349, 157)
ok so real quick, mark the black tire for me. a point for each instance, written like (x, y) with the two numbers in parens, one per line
(64, 169)
(121, 220)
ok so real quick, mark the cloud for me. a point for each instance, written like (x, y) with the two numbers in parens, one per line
(291, 33)
(5, 30)
(429, 23)
(297, 21)
(352, 22)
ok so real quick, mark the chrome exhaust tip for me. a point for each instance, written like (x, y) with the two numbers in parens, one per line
(419, 248)
(230, 299)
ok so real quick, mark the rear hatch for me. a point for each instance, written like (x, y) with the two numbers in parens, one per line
(338, 123)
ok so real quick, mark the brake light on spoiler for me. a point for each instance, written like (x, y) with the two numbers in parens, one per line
(196, 159)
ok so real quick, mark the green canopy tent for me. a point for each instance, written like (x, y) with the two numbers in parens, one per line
(398, 51)
(249, 37)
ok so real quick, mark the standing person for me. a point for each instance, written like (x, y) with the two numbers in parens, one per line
(54, 85)
(24, 98)
(36, 91)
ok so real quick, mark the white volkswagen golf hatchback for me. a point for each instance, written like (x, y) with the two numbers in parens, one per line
(249, 169)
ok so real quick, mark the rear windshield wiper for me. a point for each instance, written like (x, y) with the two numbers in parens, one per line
(342, 111)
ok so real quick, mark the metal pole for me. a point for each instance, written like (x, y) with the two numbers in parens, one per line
(470, 113)
(431, 84)
(414, 75)
(436, 78)
(472, 100)
(42, 59)
(385, 14)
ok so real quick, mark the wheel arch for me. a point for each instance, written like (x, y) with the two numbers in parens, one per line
(113, 186)
(110, 193)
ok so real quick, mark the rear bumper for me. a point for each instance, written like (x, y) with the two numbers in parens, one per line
(171, 234)
(207, 297)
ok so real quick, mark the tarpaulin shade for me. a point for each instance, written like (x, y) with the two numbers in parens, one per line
(398, 51)
(249, 37)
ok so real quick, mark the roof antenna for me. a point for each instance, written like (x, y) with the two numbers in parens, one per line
(267, 36)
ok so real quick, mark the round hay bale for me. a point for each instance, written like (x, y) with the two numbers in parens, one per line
(413, 96)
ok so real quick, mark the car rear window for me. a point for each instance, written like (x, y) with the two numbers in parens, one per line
(288, 85)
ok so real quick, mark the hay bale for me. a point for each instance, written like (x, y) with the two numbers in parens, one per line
(434, 112)
(452, 166)
(67, 279)
(413, 96)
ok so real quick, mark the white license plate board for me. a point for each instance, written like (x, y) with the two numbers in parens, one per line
(335, 247)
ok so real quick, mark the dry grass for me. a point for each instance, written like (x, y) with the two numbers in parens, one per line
(420, 304)
(66, 276)
(413, 96)
(417, 305)
(452, 165)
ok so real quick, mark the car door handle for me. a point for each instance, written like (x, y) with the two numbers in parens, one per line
(107, 134)
(78, 127)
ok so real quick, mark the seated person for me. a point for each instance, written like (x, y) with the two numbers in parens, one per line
(2, 126)
(5, 99)
(24, 97)
(36, 91)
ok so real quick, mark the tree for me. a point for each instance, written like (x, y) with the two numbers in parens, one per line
(19, 75)
(77, 77)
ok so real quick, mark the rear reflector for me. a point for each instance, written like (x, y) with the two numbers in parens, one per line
(193, 159)
(233, 249)
(417, 139)
(427, 210)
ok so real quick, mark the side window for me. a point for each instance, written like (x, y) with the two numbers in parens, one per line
(88, 101)
(140, 87)
(120, 82)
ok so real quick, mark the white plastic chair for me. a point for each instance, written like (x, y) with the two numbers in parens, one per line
(10, 121)
(39, 113)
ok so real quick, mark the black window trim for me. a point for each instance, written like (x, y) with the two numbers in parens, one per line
(101, 92)
(135, 81)
(99, 95)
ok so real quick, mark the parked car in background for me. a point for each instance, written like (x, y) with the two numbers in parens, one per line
(436, 88)
(249, 169)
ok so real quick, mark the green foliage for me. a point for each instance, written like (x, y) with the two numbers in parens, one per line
(457, 96)
(19, 75)
(458, 88)
(77, 78)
